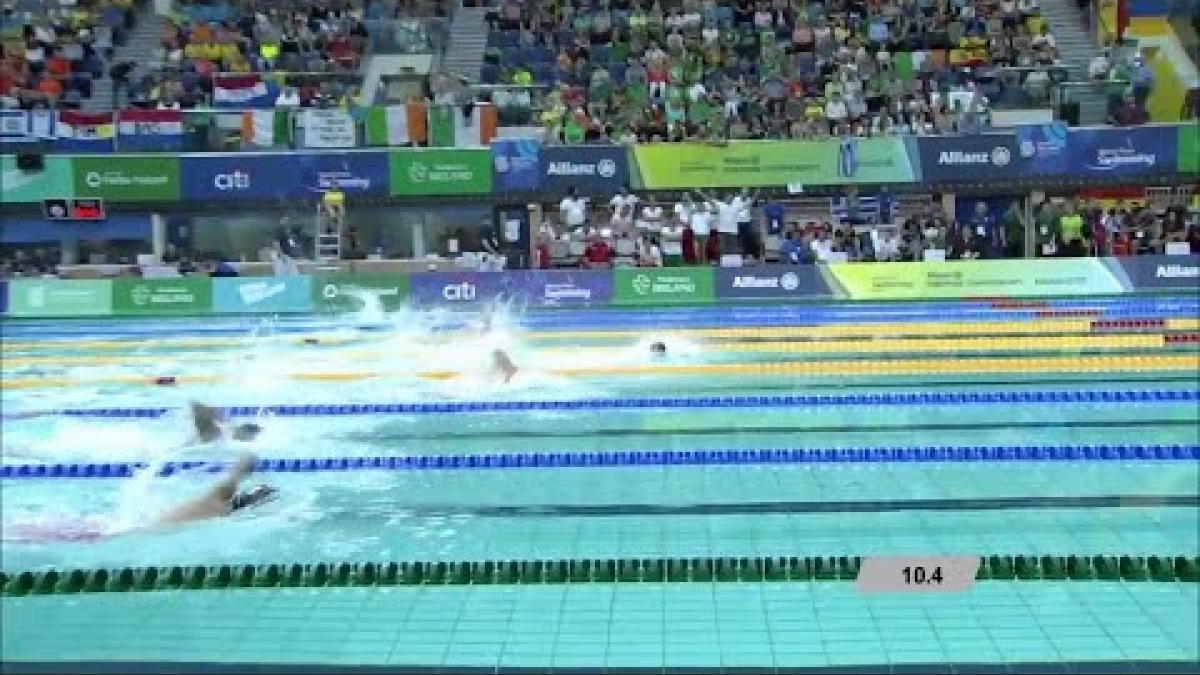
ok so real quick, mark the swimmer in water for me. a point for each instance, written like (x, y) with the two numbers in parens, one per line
(504, 365)
(658, 349)
(210, 426)
(223, 499)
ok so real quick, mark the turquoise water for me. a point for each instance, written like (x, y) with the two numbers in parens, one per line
(593, 512)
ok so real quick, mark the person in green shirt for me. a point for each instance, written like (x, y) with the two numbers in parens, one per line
(1047, 232)
(1014, 231)
(1070, 228)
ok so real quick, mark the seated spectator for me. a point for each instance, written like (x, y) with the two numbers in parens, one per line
(597, 255)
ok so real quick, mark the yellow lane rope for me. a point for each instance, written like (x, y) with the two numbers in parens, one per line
(921, 328)
(887, 346)
(1184, 362)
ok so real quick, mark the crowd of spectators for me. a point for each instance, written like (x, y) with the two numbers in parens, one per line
(706, 228)
(626, 70)
(50, 54)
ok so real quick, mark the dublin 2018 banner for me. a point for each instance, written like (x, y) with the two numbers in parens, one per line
(257, 295)
(515, 164)
(768, 163)
(1097, 153)
(542, 288)
(283, 176)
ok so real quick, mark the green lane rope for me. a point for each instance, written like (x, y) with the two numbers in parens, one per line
(630, 570)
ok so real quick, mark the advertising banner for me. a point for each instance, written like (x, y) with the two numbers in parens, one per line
(127, 178)
(283, 176)
(359, 292)
(773, 163)
(1161, 272)
(258, 295)
(1189, 148)
(54, 181)
(1130, 151)
(60, 297)
(327, 129)
(981, 157)
(596, 170)
(771, 282)
(975, 279)
(3, 297)
(418, 173)
(515, 164)
(663, 286)
(162, 296)
(541, 288)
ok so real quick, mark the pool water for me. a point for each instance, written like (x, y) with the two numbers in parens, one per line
(598, 365)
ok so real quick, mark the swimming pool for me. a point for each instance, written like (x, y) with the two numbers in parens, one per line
(1044, 428)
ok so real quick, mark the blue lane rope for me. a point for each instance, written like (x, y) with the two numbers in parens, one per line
(803, 400)
(557, 460)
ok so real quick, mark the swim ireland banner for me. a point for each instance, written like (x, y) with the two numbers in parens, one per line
(773, 163)
(192, 296)
(975, 279)
(664, 285)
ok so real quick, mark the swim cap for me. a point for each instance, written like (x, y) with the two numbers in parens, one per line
(246, 432)
(253, 497)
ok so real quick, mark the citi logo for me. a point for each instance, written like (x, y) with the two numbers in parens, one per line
(463, 292)
(236, 180)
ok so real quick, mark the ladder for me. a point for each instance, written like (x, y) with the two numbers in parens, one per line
(329, 234)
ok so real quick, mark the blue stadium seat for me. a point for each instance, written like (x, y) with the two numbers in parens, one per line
(489, 73)
(543, 73)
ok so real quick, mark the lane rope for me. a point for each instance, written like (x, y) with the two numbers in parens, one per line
(643, 458)
(1026, 568)
(823, 368)
(803, 400)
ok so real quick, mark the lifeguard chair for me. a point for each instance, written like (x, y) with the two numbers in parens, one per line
(331, 221)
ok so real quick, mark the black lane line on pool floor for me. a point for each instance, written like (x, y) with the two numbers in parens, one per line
(772, 508)
(377, 436)
(1031, 668)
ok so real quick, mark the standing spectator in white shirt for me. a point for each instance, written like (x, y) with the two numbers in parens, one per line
(701, 222)
(727, 220)
(651, 217)
(684, 210)
(624, 206)
(573, 209)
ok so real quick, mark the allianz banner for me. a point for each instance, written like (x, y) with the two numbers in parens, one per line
(593, 169)
(540, 288)
(283, 176)
(771, 282)
(1031, 151)
(1160, 272)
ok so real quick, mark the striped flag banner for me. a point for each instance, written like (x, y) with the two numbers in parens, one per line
(84, 132)
(27, 126)
(266, 128)
(243, 91)
(396, 124)
(150, 129)
(466, 126)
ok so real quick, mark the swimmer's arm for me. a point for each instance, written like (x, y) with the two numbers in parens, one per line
(227, 488)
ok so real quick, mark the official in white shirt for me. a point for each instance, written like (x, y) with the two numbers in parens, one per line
(701, 224)
(573, 210)
(624, 206)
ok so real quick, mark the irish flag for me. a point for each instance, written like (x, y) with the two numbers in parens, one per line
(243, 91)
(396, 125)
(84, 132)
(266, 128)
(462, 126)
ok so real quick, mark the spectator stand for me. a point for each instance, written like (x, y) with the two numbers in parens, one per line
(747, 71)
(51, 51)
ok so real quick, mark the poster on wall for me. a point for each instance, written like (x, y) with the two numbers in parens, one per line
(327, 129)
